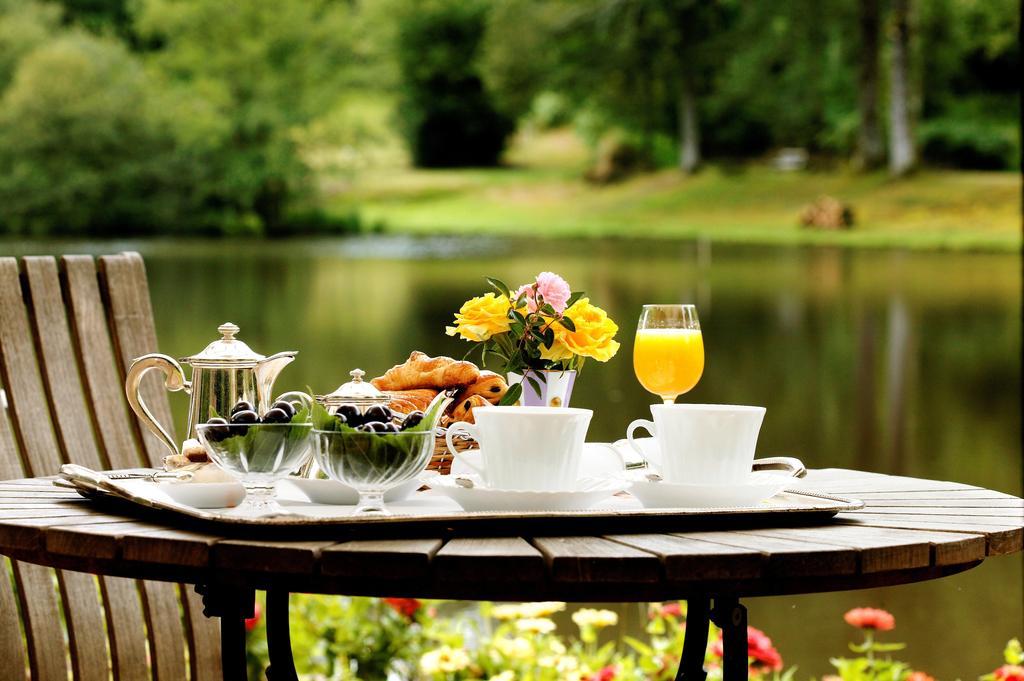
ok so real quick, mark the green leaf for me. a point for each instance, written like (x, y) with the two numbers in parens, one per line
(567, 323)
(512, 395)
(888, 647)
(549, 337)
(548, 310)
(536, 385)
(520, 318)
(499, 286)
(574, 297)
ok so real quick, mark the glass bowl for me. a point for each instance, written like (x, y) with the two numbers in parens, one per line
(259, 455)
(372, 463)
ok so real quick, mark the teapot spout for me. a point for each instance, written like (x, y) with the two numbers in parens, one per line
(267, 370)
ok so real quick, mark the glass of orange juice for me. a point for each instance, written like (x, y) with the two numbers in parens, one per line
(668, 356)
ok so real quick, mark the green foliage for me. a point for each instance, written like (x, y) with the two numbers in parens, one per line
(446, 112)
(88, 144)
(970, 143)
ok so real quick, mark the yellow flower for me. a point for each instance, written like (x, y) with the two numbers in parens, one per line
(537, 625)
(444, 660)
(541, 609)
(506, 612)
(517, 648)
(565, 664)
(507, 675)
(589, 617)
(480, 318)
(592, 338)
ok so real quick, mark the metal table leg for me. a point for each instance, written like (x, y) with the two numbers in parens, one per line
(233, 606)
(731, 618)
(695, 640)
(279, 642)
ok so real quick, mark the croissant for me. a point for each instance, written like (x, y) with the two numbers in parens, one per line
(463, 410)
(407, 401)
(421, 371)
(490, 386)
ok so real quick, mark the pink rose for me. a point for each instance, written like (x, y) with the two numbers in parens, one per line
(552, 288)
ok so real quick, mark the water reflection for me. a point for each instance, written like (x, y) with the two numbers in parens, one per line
(904, 363)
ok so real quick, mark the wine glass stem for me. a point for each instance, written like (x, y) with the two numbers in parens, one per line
(371, 502)
(668, 400)
(260, 497)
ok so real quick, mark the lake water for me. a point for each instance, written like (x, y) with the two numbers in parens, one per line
(902, 363)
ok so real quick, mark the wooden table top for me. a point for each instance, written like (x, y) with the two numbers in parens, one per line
(910, 530)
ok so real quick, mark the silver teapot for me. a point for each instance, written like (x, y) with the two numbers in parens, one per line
(226, 371)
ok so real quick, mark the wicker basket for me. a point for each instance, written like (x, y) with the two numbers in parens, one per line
(441, 460)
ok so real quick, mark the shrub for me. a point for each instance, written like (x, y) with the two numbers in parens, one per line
(87, 145)
(447, 115)
(970, 143)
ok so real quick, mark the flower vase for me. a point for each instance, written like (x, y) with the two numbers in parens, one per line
(555, 389)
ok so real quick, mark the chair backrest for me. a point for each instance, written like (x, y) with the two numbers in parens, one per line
(68, 331)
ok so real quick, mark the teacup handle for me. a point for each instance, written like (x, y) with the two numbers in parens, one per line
(646, 425)
(470, 430)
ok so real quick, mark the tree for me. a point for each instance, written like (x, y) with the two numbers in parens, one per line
(447, 113)
(870, 145)
(901, 136)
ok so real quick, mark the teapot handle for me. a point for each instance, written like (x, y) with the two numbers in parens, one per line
(174, 380)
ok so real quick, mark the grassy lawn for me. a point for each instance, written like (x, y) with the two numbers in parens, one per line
(540, 193)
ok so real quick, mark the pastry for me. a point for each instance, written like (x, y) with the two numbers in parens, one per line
(490, 386)
(407, 401)
(463, 409)
(421, 371)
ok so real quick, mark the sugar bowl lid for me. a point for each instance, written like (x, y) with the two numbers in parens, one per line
(228, 351)
(357, 391)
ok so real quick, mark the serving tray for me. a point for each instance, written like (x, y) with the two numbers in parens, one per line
(426, 511)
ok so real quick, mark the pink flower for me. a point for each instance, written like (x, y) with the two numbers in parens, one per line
(1009, 672)
(604, 674)
(919, 676)
(671, 610)
(870, 618)
(760, 650)
(257, 613)
(550, 287)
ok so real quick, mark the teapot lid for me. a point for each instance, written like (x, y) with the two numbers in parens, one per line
(226, 352)
(357, 391)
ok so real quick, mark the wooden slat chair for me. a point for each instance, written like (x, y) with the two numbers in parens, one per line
(68, 331)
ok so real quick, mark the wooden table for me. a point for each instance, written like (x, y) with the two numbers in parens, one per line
(910, 530)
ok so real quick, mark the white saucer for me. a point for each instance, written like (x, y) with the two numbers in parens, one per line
(482, 498)
(337, 493)
(759, 487)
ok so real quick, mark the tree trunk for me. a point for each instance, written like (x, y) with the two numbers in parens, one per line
(870, 148)
(901, 140)
(689, 129)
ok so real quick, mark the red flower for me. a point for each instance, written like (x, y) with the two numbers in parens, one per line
(605, 674)
(920, 676)
(1009, 672)
(671, 610)
(760, 650)
(257, 614)
(406, 607)
(870, 618)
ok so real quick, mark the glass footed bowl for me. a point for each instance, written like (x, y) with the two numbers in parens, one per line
(259, 455)
(372, 463)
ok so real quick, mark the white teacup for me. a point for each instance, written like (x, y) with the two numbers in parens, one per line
(705, 444)
(529, 448)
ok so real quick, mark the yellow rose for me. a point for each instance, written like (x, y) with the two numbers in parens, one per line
(592, 338)
(480, 318)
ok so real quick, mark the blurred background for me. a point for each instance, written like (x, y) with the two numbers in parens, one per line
(834, 183)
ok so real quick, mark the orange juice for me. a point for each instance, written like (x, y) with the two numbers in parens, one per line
(668, 362)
